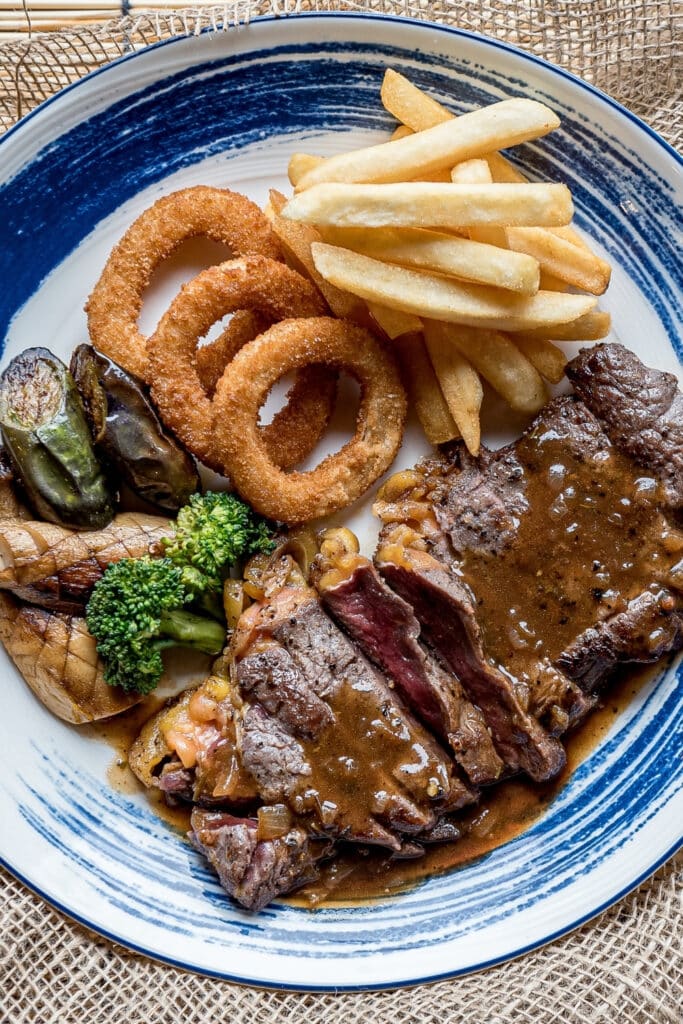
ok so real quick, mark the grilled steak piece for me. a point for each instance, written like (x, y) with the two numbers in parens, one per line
(651, 626)
(322, 731)
(641, 409)
(555, 555)
(449, 622)
(387, 631)
(255, 871)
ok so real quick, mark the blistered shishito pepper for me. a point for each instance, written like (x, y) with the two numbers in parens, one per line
(128, 433)
(48, 441)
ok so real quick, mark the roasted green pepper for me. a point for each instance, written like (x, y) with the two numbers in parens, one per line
(129, 435)
(48, 442)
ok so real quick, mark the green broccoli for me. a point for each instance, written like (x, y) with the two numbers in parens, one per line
(135, 611)
(212, 531)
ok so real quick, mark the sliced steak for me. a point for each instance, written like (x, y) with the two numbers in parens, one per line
(651, 626)
(385, 628)
(322, 731)
(255, 871)
(641, 410)
(448, 619)
(556, 553)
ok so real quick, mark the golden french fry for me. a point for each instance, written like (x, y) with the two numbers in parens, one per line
(591, 326)
(502, 364)
(478, 172)
(575, 264)
(570, 235)
(439, 298)
(401, 132)
(300, 164)
(431, 204)
(423, 389)
(459, 382)
(415, 109)
(393, 322)
(419, 111)
(550, 283)
(471, 172)
(296, 240)
(443, 176)
(409, 104)
(503, 171)
(549, 360)
(444, 254)
(473, 134)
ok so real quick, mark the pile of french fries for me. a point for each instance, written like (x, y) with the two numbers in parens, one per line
(471, 270)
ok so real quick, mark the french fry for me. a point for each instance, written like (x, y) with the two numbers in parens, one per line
(409, 104)
(591, 326)
(570, 235)
(419, 111)
(473, 134)
(431, 204)
(575, 264)
(549, 360)
(501, 363)
(393, 322)
(401, 132)
(439, 298)
(415, 109)
(471, 172)
(550, 283)
(459, 382)
(423, 389)
(502, 170)
(478, 172)
(444, 254)
(300, 164)
(296, 240)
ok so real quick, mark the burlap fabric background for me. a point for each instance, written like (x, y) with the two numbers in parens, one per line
(624, 967)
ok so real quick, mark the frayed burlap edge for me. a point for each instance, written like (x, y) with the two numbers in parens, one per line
(632, 49)
(623, 968)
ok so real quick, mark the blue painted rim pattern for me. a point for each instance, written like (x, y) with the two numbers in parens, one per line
(660, 299)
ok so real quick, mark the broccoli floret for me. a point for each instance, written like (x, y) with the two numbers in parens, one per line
(135, 611)
(212, 532)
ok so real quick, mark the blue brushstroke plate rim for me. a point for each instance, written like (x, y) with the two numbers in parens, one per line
(229, 108)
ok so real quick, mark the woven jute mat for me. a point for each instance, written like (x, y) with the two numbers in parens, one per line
(626, 966)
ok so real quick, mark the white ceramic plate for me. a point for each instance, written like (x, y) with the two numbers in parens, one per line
(228, 109)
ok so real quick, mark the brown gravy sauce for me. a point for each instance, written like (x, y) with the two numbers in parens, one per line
(591, 539)
(503, 812)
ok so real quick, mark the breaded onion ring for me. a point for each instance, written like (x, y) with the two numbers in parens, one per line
(340, 478)
(255, 283)
(114, 306)
(246, 324)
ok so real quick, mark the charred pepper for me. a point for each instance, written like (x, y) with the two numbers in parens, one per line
(128, 433)
(47, 438)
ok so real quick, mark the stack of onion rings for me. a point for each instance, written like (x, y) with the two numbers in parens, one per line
(340, 478)
(264, 286)
(210, 395)
(115, 303)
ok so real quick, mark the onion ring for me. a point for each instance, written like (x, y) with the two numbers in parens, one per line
(255, 283)
(245, 325)
(115, 303)
(340, 478)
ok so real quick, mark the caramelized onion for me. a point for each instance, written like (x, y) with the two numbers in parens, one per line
(273, 822)
(235, 600)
